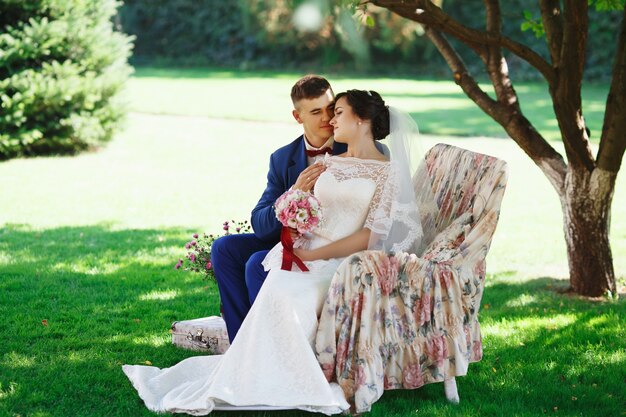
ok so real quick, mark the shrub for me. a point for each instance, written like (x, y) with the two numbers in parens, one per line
(62, 66)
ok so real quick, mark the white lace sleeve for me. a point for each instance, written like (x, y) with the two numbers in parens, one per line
(393, 217)
(379, 216)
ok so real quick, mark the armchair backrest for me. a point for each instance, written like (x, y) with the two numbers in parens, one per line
(452, 181)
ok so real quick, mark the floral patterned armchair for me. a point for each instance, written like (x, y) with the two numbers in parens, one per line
(398, 321)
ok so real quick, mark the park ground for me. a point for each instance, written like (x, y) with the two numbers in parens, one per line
(88, 245)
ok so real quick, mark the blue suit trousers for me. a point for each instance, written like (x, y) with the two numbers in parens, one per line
(239, 273)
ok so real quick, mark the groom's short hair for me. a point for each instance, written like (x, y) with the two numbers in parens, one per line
(309, 86)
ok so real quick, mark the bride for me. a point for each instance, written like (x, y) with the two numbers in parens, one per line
(271, 363)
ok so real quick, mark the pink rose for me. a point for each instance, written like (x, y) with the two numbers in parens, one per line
(468, 193)
(479, 268)
(412, 376)
(294, 209)
(360, 377)
(342, 353)
(421, 310)
(387, 273)
(446, 205)
(445, 277)
(387, 383)
(438, 349)
(329, 371)
(477, 350)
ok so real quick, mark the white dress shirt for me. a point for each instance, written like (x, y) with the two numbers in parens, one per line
(313, 159)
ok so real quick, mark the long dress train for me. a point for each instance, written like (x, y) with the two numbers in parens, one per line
(272, 363)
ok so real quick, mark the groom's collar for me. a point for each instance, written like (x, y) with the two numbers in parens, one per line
(307, 146)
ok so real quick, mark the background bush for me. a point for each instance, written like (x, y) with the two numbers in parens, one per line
(604, 28)
(260, 34)
(62, 66)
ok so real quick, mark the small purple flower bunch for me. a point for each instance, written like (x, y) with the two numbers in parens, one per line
(198, 258)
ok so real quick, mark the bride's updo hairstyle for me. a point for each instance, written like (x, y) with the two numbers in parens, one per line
(369, 105)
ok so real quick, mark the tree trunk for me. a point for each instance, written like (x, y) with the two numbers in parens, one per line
(586, 204)
(585, 185)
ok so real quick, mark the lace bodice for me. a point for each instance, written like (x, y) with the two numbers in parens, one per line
(350, 192)
(352, 195)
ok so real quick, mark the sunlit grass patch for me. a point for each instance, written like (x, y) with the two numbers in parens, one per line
(439, 106)
(17, 360)
(88, 246)
(159, 295)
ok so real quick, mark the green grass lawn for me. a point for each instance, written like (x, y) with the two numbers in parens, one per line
(439, 107)
(88, 245)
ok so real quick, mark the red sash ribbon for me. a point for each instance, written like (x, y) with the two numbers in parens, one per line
(288, 256)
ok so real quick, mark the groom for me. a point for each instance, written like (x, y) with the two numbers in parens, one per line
(237, 258)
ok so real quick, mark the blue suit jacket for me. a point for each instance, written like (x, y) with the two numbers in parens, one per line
(286, 164)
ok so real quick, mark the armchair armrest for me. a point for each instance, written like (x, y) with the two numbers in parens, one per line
(446, 244)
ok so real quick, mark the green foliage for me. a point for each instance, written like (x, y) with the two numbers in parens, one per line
(261, 34)
(245, 33)
(605, 5)
(535, 25)
(522, 22)
(61, 68)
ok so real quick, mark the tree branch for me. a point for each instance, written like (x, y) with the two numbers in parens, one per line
(575, 28)
(494, 18)
(566, 92)
(509, 117)
(613, 140)
(553, 25)
(497, 67)
(461, 76)
(425, 12)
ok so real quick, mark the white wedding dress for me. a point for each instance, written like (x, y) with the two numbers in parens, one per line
(271, 363)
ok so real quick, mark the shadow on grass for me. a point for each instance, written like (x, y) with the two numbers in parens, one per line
(77, 303)
(108, 297)
(544, 352)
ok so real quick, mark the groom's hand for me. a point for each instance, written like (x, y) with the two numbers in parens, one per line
(307, 178)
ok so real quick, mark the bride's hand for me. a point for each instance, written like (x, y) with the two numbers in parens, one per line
(307, 178)
(303, 254)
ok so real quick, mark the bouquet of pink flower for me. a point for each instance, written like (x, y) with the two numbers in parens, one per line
(297, 210)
